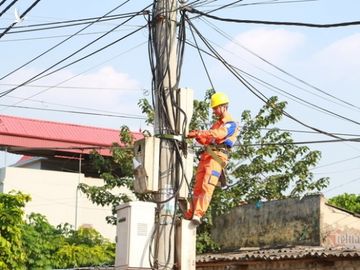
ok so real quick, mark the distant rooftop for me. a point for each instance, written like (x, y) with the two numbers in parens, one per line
(45, 138)
(290, 253)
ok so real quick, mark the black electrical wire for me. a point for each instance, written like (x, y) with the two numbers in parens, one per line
(331, 25)
(77, 87)
(168, 112)
(295, 98)
(313, 132)
(357, 140)
(204, 3)
(336, 162)
(235, 4)
(305, 102)
(272, 2)
(105, 17)
(252, 89)
(128, 116)
(68, 79)
(289, 95)
(7, 7)
(62, 105)
(158, 55)
(341, 185)
(282, 70)
(216, 9)
(202, 60)
(180, 49)
(2, 2)
(308, 142)
(38, 76)
(56, 36)
(21, 16)
(90, 54)
(321, 109)
(71, 25)
(58, 44)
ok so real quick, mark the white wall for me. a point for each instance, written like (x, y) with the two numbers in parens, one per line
(54, 195)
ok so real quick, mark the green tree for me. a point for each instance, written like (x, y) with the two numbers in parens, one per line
(49, 247)
(12, 253)
(83, 247)
(34, 244)
(116, 172)
(347, 201)
(265, 164)
(41, 241)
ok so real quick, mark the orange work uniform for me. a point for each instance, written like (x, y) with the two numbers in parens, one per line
(221, 137)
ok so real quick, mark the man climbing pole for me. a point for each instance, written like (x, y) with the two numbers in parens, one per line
(217, 142)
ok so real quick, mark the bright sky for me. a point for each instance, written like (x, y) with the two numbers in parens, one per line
(112, 81)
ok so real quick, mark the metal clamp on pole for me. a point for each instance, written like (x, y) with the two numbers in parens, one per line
(179, 138)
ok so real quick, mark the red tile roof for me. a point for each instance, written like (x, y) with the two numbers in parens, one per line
(24, 135)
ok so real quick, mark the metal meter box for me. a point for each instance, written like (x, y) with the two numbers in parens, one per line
(147, 155)
(135, 226)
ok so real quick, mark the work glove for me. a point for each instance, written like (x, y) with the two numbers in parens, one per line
(201, 140)
(192, 134)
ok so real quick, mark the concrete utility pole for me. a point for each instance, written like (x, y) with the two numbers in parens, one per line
(162, 166)
(165, 84)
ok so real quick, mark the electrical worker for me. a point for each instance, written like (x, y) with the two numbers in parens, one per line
(217, 142)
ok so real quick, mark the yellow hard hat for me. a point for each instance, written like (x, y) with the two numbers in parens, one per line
(218, 99)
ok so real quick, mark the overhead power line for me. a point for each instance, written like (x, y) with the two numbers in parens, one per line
(344, 184)
(60, 43)
(106, 16)
(90, 54)
(331, 25)
(2, 2)
(277, 90)
(7, 7)
(247, 145)
(77, 87)
(62, 36)
(129, 116)
(42, 74)
(282, 70)
(116, 114)
(309, 142)
(301, 100)
(236, 4)
(219, 8)
(101, 19)
(21, 16)
(78, 74)
(250, 87)
(336, 162)
(313, 132)
(273, 2)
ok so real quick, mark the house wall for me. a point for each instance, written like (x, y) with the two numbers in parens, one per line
(339, 228)
(270, 224)
(288, 265)
(54, 195)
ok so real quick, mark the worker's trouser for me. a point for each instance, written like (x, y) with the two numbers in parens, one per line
(207, 177)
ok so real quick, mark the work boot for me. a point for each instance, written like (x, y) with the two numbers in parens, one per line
(196, 220)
